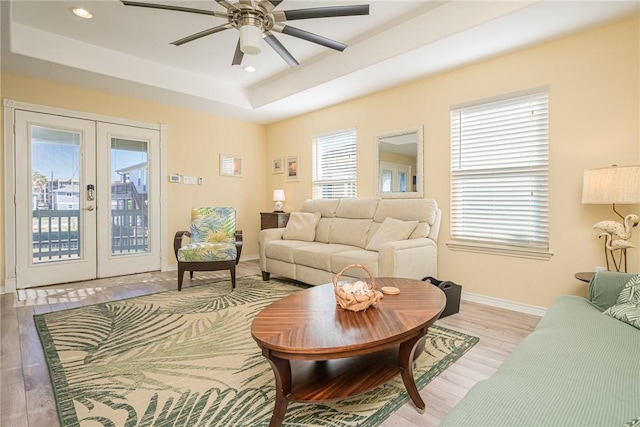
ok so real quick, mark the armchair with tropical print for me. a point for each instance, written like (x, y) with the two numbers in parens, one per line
(214, 243)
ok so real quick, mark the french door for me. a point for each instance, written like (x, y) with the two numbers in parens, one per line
(394, 177)
(87, 202)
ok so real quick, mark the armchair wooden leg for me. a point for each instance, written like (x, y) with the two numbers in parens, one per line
(233, 276)
(265, 275)
(180, 277)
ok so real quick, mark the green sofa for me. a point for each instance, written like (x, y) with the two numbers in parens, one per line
(579, 367)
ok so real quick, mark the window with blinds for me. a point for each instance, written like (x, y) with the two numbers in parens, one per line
(499, 173)
(334, 165)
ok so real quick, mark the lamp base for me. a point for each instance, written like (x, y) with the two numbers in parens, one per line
(278, 206)
(619, 263)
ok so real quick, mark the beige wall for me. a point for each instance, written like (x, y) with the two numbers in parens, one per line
(593, 78)
(194, 142)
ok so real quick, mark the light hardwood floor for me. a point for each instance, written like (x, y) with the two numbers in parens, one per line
(27, 398)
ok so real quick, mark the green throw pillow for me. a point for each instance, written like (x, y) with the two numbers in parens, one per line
(633, 423)
(627, 308)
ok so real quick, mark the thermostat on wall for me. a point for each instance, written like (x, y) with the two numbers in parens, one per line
(174, 178)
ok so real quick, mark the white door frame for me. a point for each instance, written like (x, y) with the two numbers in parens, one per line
(10, 106)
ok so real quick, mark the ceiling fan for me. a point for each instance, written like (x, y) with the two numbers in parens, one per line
(256, 19)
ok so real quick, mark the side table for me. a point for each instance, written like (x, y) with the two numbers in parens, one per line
(273, 219)
(584, 276)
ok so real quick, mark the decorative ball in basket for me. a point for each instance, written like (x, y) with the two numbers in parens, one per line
(357, 295)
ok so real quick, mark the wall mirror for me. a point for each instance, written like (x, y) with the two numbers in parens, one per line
(399, 162)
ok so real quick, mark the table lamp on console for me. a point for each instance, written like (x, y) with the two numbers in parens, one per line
(278, 197)
(614, 185)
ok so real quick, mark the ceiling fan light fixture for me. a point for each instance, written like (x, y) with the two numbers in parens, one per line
(250, 38)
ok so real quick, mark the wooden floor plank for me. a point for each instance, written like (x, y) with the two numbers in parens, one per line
(10, 358)
(13, 401)
(41, 407)
(27, 396)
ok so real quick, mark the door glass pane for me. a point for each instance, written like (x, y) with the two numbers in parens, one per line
(129, 189)
(385, 176)
(402, 181)
(55, 194)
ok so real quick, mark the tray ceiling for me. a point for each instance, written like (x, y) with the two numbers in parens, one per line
(127, 49)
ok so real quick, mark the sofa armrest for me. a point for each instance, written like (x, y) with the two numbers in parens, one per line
(605, 286)
(266, 236)
(412, 258)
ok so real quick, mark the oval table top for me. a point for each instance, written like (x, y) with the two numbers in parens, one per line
(309, 325)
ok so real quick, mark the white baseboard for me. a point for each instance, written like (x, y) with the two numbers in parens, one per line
(10, 285)
(503, 303)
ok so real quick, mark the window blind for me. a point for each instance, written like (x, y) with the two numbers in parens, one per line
(334, 165)
(499, 172)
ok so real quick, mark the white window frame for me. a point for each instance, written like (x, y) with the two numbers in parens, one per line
(487, 152)
(340, 169)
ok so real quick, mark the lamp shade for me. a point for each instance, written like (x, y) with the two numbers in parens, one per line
(616, 184)
(278, 195)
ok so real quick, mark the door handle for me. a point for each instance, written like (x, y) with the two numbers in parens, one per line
(89, 208)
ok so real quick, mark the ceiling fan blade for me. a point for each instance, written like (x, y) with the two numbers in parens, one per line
(202, 34)
(314, 38)
(269, 5)
(327, 12)
(280, 49)
(238, 55)
(225, 4)
(174, 8)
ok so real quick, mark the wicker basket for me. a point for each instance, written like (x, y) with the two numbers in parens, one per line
(362, 298)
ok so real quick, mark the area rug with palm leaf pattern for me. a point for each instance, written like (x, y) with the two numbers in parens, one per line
(188, 359)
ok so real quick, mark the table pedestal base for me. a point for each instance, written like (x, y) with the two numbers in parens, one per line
(336, 379)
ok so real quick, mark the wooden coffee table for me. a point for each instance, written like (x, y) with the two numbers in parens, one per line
(320, 352)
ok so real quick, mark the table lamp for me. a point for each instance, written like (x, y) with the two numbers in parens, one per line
(278, 197)
(614, 185)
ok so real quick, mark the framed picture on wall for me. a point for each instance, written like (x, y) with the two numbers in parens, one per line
(230, 165)
(293, 168)
(277, 165)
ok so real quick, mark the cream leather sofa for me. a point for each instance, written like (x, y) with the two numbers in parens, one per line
(391, 237)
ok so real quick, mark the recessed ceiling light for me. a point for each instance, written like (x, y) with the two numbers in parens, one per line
(249, 68)
(82, 13)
